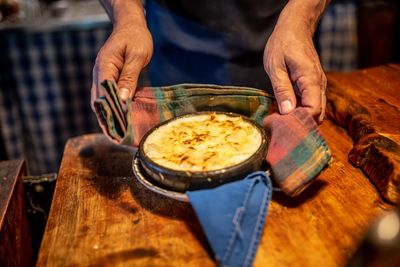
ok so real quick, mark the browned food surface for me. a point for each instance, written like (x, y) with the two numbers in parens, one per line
(203, 142)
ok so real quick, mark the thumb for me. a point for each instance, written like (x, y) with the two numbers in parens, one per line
(127, 80)
(283, 91)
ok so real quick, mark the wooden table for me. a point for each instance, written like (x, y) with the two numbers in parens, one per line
(102, 216)
(15, 238)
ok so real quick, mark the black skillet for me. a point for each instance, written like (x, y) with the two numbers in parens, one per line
(181, 181)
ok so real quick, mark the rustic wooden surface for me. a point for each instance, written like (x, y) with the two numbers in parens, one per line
(102, 216)
(15, 241)
(367, 105)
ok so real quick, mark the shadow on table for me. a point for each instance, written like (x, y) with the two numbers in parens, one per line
(110, 165)
(126, 255)
(308, 194)
(112, 168)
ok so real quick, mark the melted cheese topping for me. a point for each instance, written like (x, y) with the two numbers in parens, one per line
(203, 142)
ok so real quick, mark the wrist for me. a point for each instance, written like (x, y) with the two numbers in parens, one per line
(125, 12)
(301, 15)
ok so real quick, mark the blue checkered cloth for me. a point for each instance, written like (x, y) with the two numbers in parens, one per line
(45, 81)
(337, 37)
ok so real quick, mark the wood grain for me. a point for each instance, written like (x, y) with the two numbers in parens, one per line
(324, 225)
(15, 240)
(102, 216)
(366, 104)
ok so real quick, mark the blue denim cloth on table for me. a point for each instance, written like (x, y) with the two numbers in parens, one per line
(232, 217)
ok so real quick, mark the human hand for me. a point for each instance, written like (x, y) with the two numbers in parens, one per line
(294, 68)
(125, 53)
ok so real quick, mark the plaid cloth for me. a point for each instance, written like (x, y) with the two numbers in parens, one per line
(337, 37)
(297, 151)
(152, 105)
(45, 80)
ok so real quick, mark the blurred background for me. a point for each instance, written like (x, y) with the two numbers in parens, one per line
(48, 49)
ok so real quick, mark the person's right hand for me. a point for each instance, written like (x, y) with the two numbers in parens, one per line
(125, 53)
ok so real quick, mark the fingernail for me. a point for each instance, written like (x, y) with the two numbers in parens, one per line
(124, 94)
(285, 106)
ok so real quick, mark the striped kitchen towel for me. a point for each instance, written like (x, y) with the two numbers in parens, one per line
(297, 151)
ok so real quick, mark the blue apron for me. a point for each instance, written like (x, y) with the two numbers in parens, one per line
(227, 53)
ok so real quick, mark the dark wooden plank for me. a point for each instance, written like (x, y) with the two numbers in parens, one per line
(8, 172)
(375, 88)
(15, 241)
(395, 66)
(367, 105)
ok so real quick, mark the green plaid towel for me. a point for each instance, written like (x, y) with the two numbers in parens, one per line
(297, 151)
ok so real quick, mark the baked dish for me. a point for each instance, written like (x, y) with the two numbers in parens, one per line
(202, 150)
(204, 142)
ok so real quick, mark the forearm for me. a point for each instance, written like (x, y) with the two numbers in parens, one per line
(302, 15)
(123, 12)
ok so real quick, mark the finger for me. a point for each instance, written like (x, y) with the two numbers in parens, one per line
(94, 91)
(127, 80)
(283, 91)
(107, 70)
(311, 94)
(133, 65)
(93, 95)
(323, 107)
(323, 100)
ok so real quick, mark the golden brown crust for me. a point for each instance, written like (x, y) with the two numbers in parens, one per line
(203, 142)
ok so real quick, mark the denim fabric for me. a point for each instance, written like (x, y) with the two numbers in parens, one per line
(232, 217)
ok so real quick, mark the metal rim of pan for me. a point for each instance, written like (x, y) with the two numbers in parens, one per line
(181, 181)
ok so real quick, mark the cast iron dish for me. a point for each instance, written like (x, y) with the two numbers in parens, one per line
(181, 181)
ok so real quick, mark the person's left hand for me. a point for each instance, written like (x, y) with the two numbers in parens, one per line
(294, 68)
